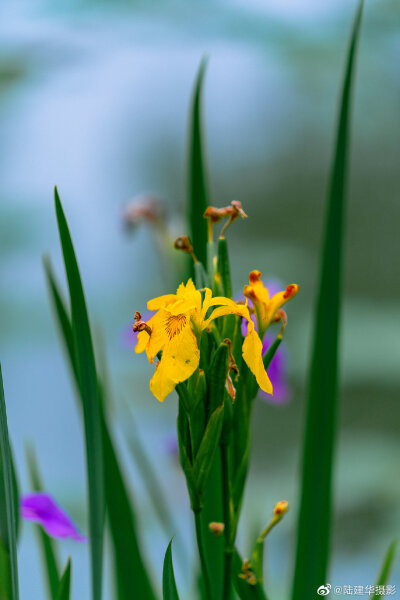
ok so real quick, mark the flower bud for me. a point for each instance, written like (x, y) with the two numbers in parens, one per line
(216, 528)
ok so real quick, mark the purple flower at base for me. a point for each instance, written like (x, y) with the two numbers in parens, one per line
(40, 507)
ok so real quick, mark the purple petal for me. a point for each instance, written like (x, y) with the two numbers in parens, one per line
(41, 508)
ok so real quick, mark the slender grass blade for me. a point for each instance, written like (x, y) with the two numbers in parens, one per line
(47, 545)
(314, 524)
(86, 370)
(8, 498)
(131, 574)
(170, 591)
(386, 568)
(197, 172)
(64, 585)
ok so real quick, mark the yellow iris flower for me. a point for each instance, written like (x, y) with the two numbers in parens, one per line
(175, 329)
(265, 307)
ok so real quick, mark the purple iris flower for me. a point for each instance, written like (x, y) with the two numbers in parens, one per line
(277, 370)
(40, 507)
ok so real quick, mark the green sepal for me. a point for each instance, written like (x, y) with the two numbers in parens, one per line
(223, 267)
(211, 261)
(208, 447)
(217, 375)
(201, 277)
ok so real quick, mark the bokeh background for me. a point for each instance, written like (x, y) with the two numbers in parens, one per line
(94, 97)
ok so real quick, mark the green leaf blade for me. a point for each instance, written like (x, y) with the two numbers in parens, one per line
(64, 586)
(10, 526)
(386, 568)
(130, 568)
(315, 508)
(170, 591)
(198, 198)
(86, 370)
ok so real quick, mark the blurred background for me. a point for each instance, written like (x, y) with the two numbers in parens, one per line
(94, 97)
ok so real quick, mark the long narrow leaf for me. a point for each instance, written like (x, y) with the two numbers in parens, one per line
(197, 175)
(64, 585)
(386, 568)
(131, 573)
(170, 591)
(47, 545)
(8, 499)
(314, 525)
(85, 364)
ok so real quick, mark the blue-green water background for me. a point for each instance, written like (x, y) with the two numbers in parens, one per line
(94, 98)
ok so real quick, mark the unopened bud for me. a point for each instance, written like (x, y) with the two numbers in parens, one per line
(216, 528)
(281, 508)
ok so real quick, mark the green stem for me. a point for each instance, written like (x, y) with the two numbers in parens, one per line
(226, 502)
(202, 554)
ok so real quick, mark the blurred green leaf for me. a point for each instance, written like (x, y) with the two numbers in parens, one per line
(8, 500)
(5, 573)
(3, 515)
(130, 569)
(197, 176)
(208, 447)
(386, 568)
(314, 523)
(65, 583)
(170, 591)
(87, 378)
(47, 544)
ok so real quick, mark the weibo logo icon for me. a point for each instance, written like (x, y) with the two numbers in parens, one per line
(324, 590)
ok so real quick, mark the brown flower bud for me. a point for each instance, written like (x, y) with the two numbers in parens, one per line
(216, 528)
(143, 208)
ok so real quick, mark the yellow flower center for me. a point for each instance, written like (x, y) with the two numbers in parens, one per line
(174, 325)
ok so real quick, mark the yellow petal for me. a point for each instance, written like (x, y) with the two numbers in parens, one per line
(161, 302)
(179, 360)
(160, 384)
(280, 299)
(159, 334)
(231, 309)
(142, 340)
(252, 354)
(256, 290)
